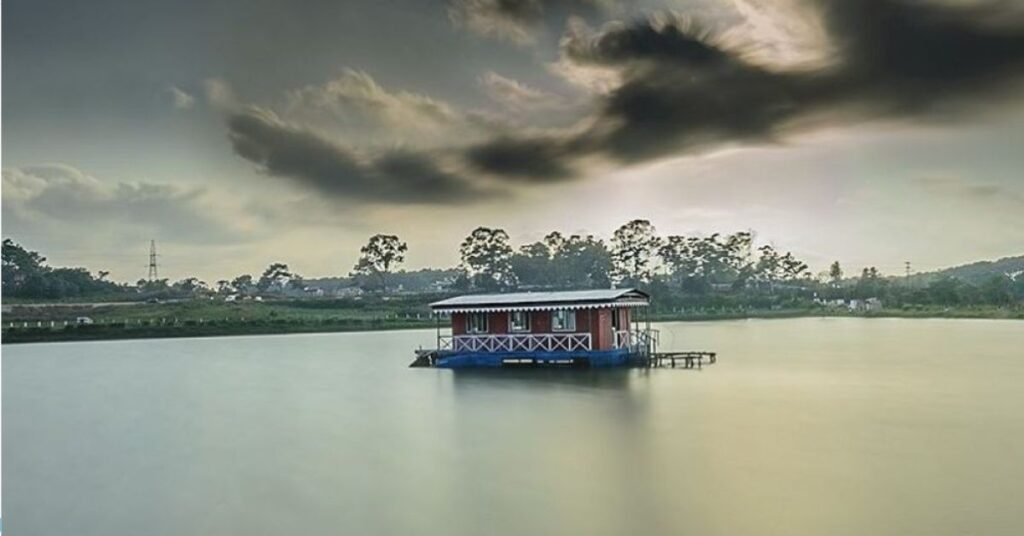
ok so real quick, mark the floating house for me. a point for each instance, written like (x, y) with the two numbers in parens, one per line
(584, 328)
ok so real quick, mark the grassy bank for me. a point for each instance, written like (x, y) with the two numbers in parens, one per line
(206, 318)
(214, 328)
(983, 312)
(24, 323)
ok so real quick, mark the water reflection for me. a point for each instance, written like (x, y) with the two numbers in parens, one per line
(544, 378)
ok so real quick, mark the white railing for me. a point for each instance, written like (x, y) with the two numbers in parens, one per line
(520, 342)
(637, 340)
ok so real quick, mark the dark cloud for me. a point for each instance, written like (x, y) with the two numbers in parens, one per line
(281, 149)
(667, 39)
(528, 159)
(911, 53)
(679, 87)
(684, 89)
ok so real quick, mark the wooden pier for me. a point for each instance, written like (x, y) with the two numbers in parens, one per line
(424, 358)
(683, 359)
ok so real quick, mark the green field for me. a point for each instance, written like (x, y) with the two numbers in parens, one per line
(198, 318)
(205, 318)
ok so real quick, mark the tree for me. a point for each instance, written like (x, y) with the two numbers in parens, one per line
(947, 290)
(769, 267)
(379, 256)
(871, 284)
(677, 253)
(581, 261)
(565, 262)
(277, 276)
(224, 287)
(835, 274)
(697, 262)
(191, 285)
(633, 246)
(486, 256)
(19, 267)
(555, 242)
(998, 290)
(243, 284)
(792, 269)
(157, 286)
(25, 274)
(532, 264)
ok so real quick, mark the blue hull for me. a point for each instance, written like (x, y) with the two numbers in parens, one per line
(596, 358)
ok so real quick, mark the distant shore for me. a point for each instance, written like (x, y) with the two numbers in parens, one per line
(179, 321)
(991, 313)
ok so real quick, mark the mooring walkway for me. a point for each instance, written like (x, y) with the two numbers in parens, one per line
(683, 359)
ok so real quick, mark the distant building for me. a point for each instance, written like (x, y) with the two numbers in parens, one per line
(347, 292)
(870, 304)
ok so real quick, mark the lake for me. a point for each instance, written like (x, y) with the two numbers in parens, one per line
(804, 427)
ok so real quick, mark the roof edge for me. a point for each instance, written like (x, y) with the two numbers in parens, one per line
(553, 300)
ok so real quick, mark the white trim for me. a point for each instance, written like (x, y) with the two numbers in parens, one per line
(539, 342)
(550, 307)
(637, 340)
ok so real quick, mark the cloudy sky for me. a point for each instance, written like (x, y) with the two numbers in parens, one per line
(241, 132)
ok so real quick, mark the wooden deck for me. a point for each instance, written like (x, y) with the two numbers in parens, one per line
(424, 358)
(683, 359)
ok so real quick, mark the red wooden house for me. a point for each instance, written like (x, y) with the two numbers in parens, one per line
(583, 328)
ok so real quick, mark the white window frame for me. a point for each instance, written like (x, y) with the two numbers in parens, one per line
(470, 328)
(526, 322)
(571, 316)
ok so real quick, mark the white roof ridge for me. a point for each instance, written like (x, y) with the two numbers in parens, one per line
(544, 297)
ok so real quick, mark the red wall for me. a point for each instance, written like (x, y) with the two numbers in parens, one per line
(597, 322)
(540, 321)
(458, 323)
(497, 323)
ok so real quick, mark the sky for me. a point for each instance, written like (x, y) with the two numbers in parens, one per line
(237, 133)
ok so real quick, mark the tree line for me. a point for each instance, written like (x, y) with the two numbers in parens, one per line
(635, 256)
(719, 270)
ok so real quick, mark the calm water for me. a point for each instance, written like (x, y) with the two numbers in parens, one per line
(804, 427)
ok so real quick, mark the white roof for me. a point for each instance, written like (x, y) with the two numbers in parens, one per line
(538, 301)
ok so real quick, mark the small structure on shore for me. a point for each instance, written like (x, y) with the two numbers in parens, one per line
(583, 328)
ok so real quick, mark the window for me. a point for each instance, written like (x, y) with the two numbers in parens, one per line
(518, 321)
(563, 320)
(476, 323)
